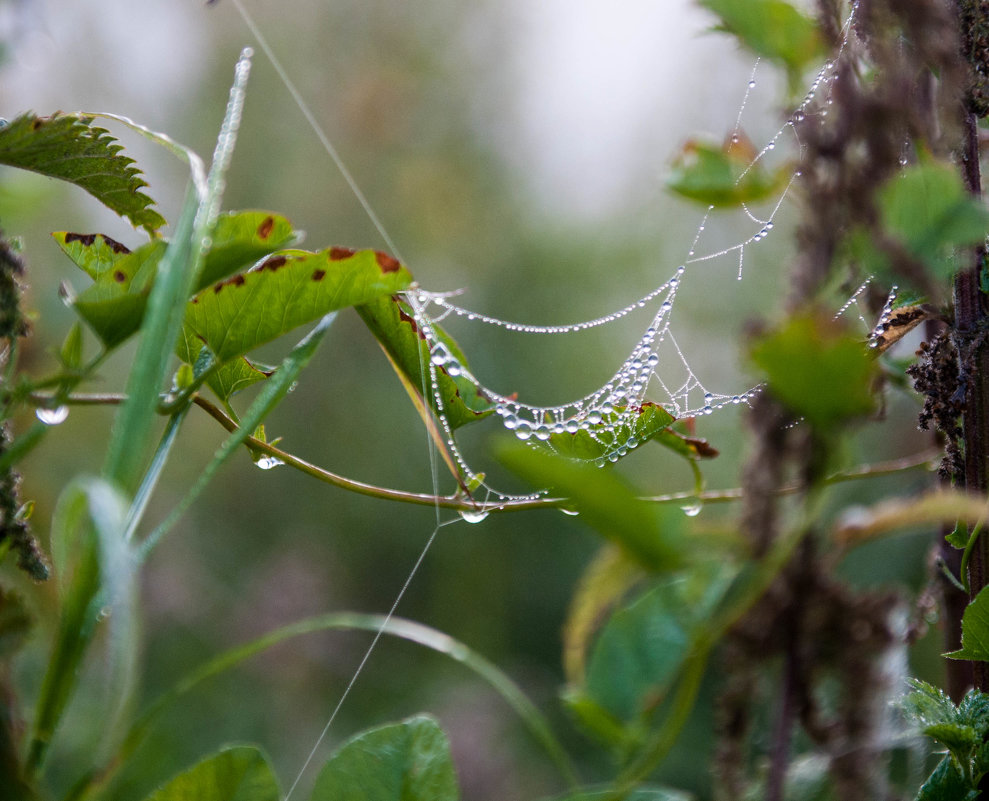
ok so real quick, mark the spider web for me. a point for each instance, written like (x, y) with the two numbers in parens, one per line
(656, 369)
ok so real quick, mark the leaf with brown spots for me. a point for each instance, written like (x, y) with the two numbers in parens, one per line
(390, 320)
(72, 149)
(280, 293)
(92, 253)
(240, 239)
(113, 306)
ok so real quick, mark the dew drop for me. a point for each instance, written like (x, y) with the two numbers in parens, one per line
(511, 421)
(692, 510)
(569, 512)
(440, 355)
(751, 84)
(542, 432)
(594, 417)
(473, 515)
(453, 368)
(571, 426)
(523, 431)
(52, 417)
(268, 462)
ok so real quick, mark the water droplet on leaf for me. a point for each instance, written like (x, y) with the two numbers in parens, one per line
(473, 515)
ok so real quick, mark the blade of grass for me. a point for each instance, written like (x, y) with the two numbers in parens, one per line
(396, 627)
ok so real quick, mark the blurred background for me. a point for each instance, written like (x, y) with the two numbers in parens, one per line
(513, 149)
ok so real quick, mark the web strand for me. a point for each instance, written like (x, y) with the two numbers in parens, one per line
(604, 412)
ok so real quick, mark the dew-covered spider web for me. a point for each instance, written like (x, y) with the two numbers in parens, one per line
(655, 371)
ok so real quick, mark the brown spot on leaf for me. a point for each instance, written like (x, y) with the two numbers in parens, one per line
(407, 318)
(318, 275)
(86, 239)
(267, 224)
(38, 123)
(233, 280)
(274, 263)
(388, 264)
(337, 253)
(119, 276)
(115, 246)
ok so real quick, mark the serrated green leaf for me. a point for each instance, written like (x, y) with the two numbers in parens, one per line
(723, 176)
(928, 705)
(975, 630)
(817, 369)
(240, 773)
(773, 29)
(286, 290)
(72, 149)
(957, 738)
(652, 534)
(947, 783)
(392, 323)
(407, 761)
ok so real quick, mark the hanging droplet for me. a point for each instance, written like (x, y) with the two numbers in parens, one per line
(571, 426)
(473, 515)
(569, 512)
(52, 417)
(692, 510)
(440, 355)
(453, 368)
(752, 84)
(268, 462)
(523, 430)
(510, 422)
(542, 432)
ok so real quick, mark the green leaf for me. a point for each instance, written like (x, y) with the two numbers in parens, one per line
(407, 761)
(819, 371)
(642, 646)
(113, 306)
(975, 630)
(947, 783)
(613, 435)
(240, 238)
(95, 254)
(653, 534)
(286, 290)
(723, 176)
(928, 210)
(773, 29)
(239, 773)
(606, 580)
(392, 323)
(237, 375)
(72, 149)
(95, 570)
(70, 354)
